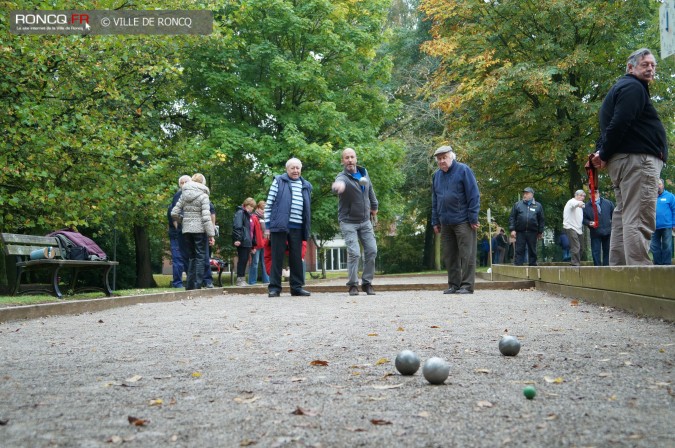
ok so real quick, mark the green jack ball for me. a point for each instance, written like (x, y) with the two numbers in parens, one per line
(436, 370)
(530, 392)
(509, 345)
(407, 362)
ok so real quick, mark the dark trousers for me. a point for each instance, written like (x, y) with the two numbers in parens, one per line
(600, 245)
(195, 271)
(242, 260)
(526, 240)
(459, 253)
(279, 241)
(208, 276)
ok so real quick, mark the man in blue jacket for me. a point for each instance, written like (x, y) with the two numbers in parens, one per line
(455, 202)
(287, 224)
(662, 239)
(633, 148)
(526, 224)
(601, 231)
(176, 240)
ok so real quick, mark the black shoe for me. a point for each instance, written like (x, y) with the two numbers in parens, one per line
(353, 290)
(273, 294)
(368, 289)
(451, 290)
(301, 292)
(464, 291)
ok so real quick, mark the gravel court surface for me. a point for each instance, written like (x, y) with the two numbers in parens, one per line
(235, 370)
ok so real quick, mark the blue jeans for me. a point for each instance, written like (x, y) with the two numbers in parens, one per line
(195, 270)
(178, 257)
(353, 234)
(600, 246)
(208, 276)
(662, 246)
(257, 257)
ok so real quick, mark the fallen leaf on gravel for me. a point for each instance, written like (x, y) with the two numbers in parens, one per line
(245, 400)
(377, 421)
(551, 416)
(115, 439)
(173, 438)
(604, 360)
(373, 334)
(318, 362)
(297, 380)
(196, 374)
(574, 303)
(352, 429)
(100, 321)
(484, 404)
(247, 442)
(635, 436)
(604, 374)
(3, 422)
(301, 411)
(382, 361)
(558, 380)
(424, 414)
(612, 398)
(401, 329)
(434, 326)
(627, 363)
(387, 386)
(137, 421)
(156, 402)
(134, 379)
(481, 371)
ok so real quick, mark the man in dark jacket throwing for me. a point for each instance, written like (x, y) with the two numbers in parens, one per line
(455, 202)
(633, 147)
(526, 224)
(357, 204)
(602, 230)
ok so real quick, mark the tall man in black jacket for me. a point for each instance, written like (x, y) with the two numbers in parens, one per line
(526, 224)
(601, 231)
(633, 147)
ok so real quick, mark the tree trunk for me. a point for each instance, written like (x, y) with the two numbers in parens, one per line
(429, 255)
(144, 278)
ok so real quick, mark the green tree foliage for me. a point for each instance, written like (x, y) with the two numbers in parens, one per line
(291, 79)
(522, 84)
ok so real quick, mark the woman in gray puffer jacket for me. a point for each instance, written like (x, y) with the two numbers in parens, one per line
(193, 210)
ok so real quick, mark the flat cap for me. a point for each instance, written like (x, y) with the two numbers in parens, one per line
(528, 189)
(443, 150)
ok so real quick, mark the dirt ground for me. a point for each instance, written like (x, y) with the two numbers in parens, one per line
(246, 370)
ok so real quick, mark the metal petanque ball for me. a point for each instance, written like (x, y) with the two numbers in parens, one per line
(509, 345)
(363, 181)
(436, 370)
(407, 362)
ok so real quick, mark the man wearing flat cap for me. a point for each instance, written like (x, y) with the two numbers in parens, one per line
(455, 202)
(526, 224)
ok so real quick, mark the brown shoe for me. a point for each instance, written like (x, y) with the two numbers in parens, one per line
(353, 290)
(368, 289)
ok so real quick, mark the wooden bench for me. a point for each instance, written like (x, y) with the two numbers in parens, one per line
(21, 246)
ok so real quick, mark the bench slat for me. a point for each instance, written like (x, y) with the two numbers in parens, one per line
(9, 238)
(11, 249)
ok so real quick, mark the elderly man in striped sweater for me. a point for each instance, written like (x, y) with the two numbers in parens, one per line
(287, 224)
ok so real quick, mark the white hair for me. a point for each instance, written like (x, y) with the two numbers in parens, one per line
(183, 179)
(292, 161)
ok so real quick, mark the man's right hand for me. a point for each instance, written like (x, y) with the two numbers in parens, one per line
(597, 161)
(437, 229)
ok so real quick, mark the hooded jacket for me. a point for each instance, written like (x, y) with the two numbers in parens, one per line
(355, 202)
(193, 205)
(241, 227)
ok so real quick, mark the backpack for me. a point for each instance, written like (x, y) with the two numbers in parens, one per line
(75, 246)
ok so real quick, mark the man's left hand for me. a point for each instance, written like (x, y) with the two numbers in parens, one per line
(474, 226)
